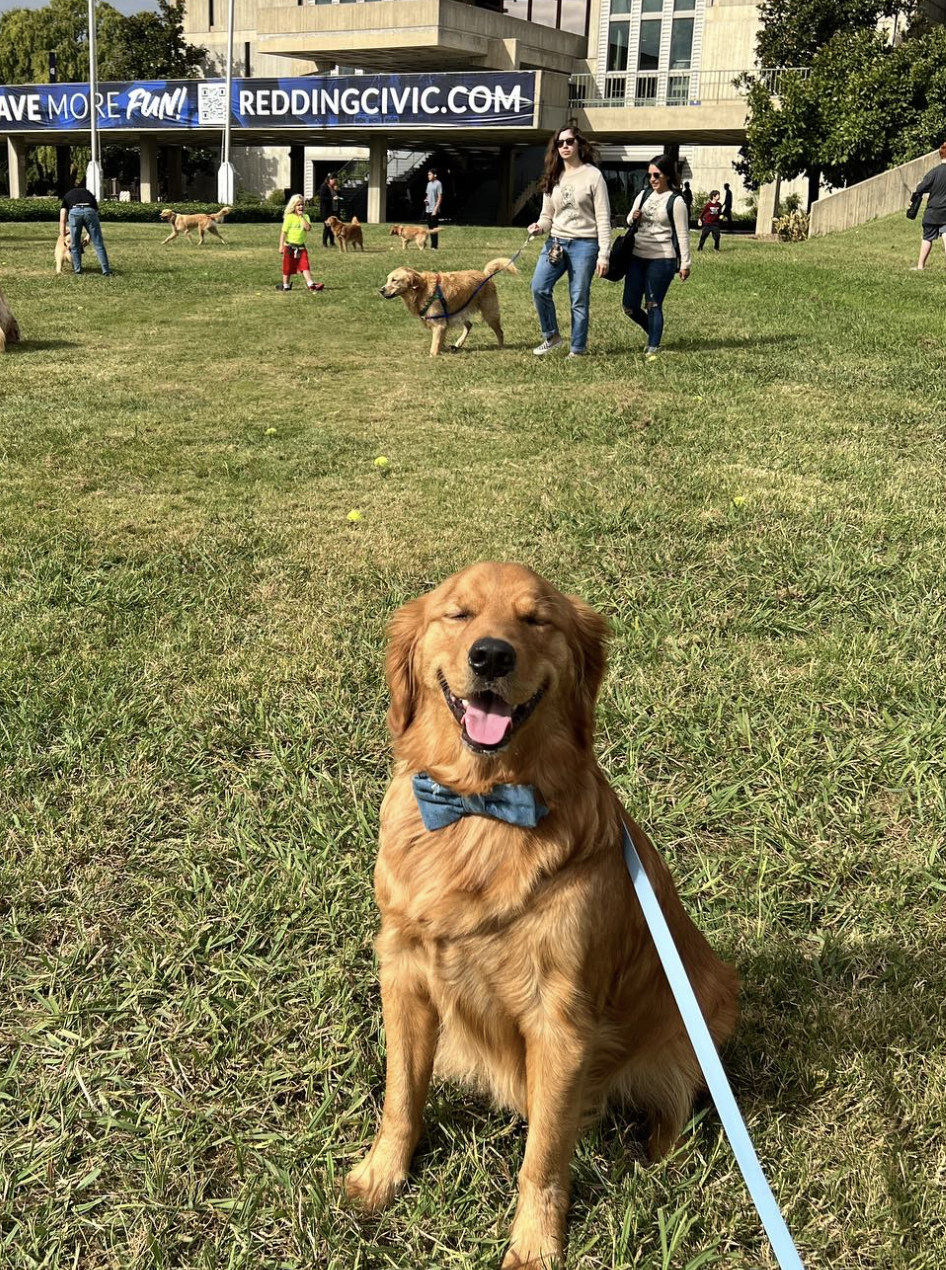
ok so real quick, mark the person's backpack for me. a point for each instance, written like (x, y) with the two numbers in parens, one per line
(622, 249)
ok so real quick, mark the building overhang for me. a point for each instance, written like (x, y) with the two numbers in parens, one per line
(721, 124)
(415, 35)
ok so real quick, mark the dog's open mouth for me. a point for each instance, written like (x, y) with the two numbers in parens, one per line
(488, 721)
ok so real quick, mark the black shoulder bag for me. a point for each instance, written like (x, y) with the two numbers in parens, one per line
(914, 209)
(622, 249)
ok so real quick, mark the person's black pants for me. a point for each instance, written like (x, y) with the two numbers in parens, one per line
(707, 230)
(328, 238)
(433, 223)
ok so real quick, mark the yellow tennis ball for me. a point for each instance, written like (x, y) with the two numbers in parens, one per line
(381, 461)
(738, 500)
(355, 515)
(270, 432)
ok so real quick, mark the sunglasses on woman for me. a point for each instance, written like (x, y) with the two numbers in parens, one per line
(565, 141)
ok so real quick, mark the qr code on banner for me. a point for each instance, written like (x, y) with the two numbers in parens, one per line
(211, 103)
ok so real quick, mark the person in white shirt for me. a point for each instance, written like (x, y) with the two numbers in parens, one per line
(576, 212)
(661, 249)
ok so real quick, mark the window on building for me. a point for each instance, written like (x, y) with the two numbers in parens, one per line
(683, 5)
(648, 49)
(619, 34)
(620, 6)
(681, 44)
(652, 6)
(210, 15)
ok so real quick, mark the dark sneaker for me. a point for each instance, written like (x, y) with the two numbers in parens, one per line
(317, 286)
(281, 286)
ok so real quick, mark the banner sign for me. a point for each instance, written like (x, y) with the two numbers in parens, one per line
(483, 100)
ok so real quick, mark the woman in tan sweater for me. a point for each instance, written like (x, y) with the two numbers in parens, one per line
(576, 213)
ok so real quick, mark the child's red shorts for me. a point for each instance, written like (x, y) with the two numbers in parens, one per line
(294, 260)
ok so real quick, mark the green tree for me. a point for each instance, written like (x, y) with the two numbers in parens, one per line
(792, 31)
(866, 106)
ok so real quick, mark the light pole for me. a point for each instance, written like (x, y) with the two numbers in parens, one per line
(93, 173)
(226, 177)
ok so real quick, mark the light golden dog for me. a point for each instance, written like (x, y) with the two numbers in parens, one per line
(346, 235)
(9, 331)
(204, 222)
(466, 293)
(417, 234)
(63, 248)
(516, 958)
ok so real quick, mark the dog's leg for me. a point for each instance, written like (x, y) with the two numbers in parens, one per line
(216, 233)
(555, 1071)
(172, 234)
(410, 1025)
(467, 328)
(437, 337)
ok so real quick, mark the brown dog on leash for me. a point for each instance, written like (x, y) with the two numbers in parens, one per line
(513, 952)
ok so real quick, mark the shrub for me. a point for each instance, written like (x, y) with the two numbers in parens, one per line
(793, 227)
(47, 209)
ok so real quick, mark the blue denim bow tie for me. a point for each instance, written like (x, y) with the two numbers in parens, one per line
(439, 805)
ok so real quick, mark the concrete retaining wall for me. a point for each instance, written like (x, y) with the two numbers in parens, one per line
(878, 196)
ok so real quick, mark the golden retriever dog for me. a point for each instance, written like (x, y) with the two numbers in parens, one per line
(417, 234)
(466, 293)
(346, 235)
(9, 331)
(204, 222)
(514, 956)
(63, 249)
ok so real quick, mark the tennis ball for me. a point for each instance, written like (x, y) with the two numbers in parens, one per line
(738, 500)
(270, 432)
(381, 461)
(355, 515)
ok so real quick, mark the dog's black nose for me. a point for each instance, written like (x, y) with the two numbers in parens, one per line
(492, 658)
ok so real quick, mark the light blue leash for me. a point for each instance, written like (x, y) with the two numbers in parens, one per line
(786, 1254)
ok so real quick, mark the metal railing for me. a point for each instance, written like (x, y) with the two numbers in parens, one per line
(672, 88)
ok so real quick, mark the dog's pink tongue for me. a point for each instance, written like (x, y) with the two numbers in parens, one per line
(487, 725)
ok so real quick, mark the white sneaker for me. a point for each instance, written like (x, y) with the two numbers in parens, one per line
(650, 353)
(547, 345)
(577, 352)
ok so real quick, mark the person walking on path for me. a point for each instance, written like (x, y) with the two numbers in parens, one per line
(576, 213)
(327, 208)
(934, 218)
(433, 201)
(727, 204)
(292, 236)
(687, 195)
(82, 209)
(661, 249)
(709, 220)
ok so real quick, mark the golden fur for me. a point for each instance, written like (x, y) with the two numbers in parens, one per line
(517, 959)
(467, 292)
(63, 248)
(417, 234)
(346, 234)
(204, 222)
(9, 331)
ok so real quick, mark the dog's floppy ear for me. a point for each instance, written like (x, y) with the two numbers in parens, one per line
(404, 630)
(589, 643)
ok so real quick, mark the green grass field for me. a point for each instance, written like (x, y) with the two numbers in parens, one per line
(193, 745)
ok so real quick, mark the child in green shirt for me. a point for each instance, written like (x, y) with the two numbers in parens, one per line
(292, 236)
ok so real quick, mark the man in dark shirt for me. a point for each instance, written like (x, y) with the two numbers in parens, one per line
(934, 219)
(687, 195)
(727, 204)
(81, 207)
(327, 209)
(709, 220)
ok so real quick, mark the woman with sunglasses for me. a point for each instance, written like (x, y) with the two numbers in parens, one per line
(661, 249)
(576, 213)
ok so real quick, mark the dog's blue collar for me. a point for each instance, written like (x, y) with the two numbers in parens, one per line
(440, 806)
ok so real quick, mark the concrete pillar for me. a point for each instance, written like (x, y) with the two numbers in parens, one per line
(505, 172)
(175, 177)
(63, 170)
(148, 169)
(377, 180)
(297, 168)
(767, 207)
(672, 150)
(16, 159)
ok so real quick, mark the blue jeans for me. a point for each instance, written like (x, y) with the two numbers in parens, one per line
(651, 278)
(578, 259)
(86, 218)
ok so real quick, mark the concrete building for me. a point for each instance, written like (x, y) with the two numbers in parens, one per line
(639, 75)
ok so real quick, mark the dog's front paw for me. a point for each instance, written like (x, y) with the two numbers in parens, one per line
(372, 1186)
(527, 1259)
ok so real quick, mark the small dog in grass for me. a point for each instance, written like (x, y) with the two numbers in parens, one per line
(513, 952)
(63, 249)
(465, 293)
(346, 235)
(416, 234)
(204, 222)
(9, 331)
